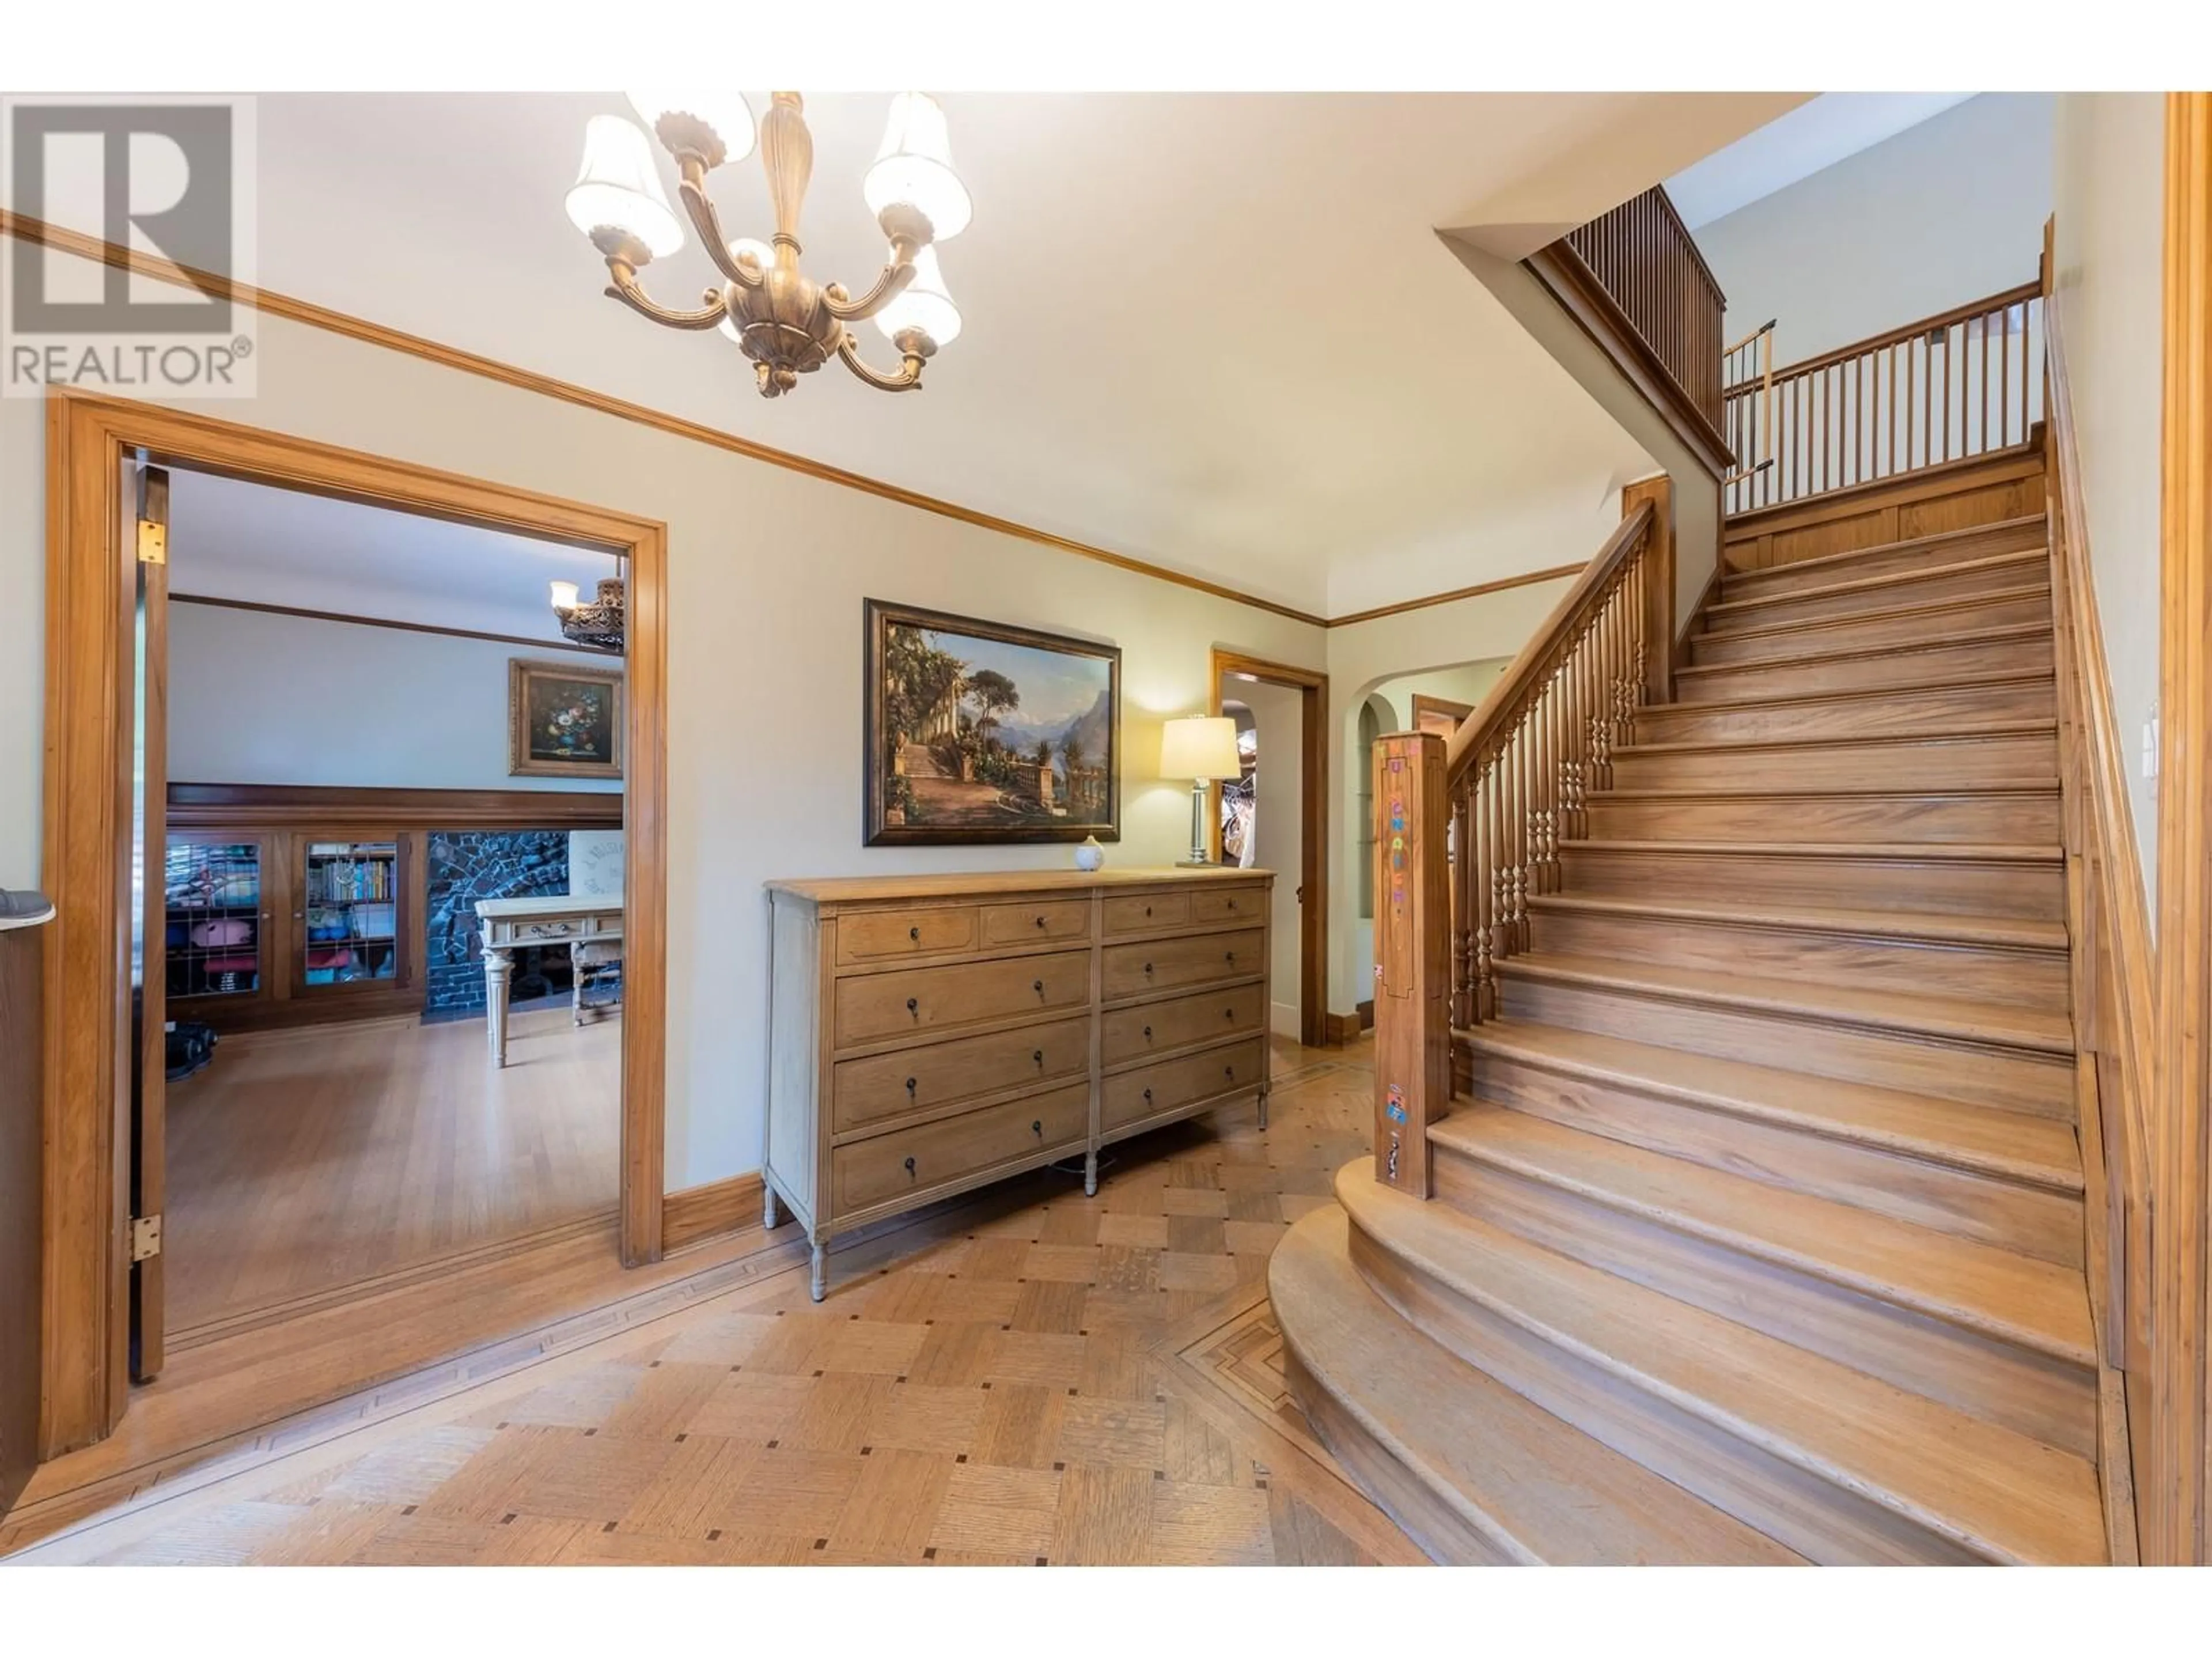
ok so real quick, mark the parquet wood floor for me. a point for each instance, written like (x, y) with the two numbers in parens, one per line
(1028, 1377)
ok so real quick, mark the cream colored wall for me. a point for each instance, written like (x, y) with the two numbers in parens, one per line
(1467, 682)
(1945, 212)
(1278, 725)
(1362, 657)
(767, 571)
(2109, 170)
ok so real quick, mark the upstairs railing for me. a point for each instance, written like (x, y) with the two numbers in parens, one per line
(1747, 410)
(1470, 834)
(1963, 383)
(1644, 259)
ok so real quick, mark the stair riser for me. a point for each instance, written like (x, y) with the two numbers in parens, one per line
(2023, 979)
(1938, 586)
(1901, 559)
(1932, 763)
(1789, 678)
(1822, 1521)
(1995, 1209)
(1983, 1074)
(1986, 1377)
(2015, 820)
(1871, 632)
(2031, 892)
(1898, 713)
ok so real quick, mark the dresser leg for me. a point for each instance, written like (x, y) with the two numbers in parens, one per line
(818, 1285)
(771, 1216)
(1090, 1173)
(1263, 1104)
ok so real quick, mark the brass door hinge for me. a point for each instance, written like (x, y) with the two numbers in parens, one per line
(153, 515)
(145, 1237)
(153, 543)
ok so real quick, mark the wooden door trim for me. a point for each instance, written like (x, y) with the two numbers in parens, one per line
(1312, 685)
(1424, 704)
(2177, 1528)
(87, 830)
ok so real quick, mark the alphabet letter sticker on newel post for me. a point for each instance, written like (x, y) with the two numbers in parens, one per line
(1412, 957)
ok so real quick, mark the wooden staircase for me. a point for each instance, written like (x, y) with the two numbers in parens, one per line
(1757, 1230)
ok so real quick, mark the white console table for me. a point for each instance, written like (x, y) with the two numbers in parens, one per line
(555, 918)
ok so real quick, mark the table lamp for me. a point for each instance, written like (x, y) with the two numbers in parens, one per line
(1204, 750)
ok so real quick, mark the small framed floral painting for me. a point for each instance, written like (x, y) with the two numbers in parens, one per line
(563, 722)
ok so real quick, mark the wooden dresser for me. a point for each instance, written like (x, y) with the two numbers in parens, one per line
(931, 1034)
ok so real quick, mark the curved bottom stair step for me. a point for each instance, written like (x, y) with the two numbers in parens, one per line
(1475, 1474)
(1833, 1464)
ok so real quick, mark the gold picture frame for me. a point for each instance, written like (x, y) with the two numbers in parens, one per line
(563, 722)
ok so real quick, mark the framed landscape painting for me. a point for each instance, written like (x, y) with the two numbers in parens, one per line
(563, 722)
(979, 732)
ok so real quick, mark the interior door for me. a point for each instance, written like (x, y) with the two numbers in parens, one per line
(149, 626)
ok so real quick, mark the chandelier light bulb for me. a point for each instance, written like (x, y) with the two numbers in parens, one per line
(617, 190)
(914, 168)
(926, 305)
(715, 126)
(564, 596)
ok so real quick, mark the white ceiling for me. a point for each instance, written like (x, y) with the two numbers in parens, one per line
(233, 540)
(1214, 332)
(1817, 134)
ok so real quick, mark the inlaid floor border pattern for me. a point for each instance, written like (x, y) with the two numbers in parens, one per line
(1025, 1377)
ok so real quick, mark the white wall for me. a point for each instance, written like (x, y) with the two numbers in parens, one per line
(1277, 843)
(1466, 682)
(1945, 212)
(258, 698)
(2109, 231)
(767, 571)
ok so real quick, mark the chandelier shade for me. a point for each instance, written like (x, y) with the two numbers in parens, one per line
(601, 624)
(715, 126)
(617, 194)
(924, 305)
(914, 168)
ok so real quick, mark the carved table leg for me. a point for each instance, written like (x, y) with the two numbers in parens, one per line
(818, 1283)
(772, 1213)
(1090, 1173)
(499, 968)
(1264, 1088)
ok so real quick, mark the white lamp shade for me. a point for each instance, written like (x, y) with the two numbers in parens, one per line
(924, 304)
(618, 188)
(725, 115)
(1202, 747)
(564, 596)
(914, 167)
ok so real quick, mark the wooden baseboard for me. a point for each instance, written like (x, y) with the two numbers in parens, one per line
(708, 1212)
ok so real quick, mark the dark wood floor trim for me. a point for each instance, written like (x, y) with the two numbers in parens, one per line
(389, 622)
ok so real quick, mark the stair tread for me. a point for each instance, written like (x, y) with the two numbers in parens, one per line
(1857, 618)
(1537, 1487)
(2011, 1146)
(1851, 694)
(1840, 791)
(1887, 582)
(1968, 729)
(1999, 1491)
(2005, 1024)
(1910, 851)
(2002, 634)
(1886, 924)
(1882, 550)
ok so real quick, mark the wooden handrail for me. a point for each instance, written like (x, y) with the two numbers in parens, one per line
(1644, 259)
(1946, 388)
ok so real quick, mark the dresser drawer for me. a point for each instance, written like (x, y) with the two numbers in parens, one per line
(1246, 903)
(1157, 1028)
(1052, 920)
(1135, 1096)
(882, 935)
(1140, 913)
(1164, 964)
(880, 1006)
(887, 1086)
(912, 1161)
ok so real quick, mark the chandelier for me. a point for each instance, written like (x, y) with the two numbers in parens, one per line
(599, 624)
(786, 323)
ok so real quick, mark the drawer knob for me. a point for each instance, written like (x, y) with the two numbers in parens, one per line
(1148, 909)
(1148, 969)
(1230, 957)
(1040, 922)
(915, 933)
(913, 1007)
(1036, 1127)
(909, 1169)
(1148, 1096)
(1229, 1014)
(1229, 1071)
(1148, 1034)
(1037, 985)
(1037, 1054)
(909, 1088)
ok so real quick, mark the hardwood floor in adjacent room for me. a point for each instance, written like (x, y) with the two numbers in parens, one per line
(1023, 1378)
(302, 1162)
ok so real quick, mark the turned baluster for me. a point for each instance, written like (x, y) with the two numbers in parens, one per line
(1462, 996)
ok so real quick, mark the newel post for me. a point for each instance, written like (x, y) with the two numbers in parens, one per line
(1413, 956)
(1658, 583)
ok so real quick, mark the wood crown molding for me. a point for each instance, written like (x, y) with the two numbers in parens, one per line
(693, 1214)
(1583, 297)
(311, 806)
(305, 312)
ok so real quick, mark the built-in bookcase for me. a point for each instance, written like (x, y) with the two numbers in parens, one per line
(350, 899)
(215, 938)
